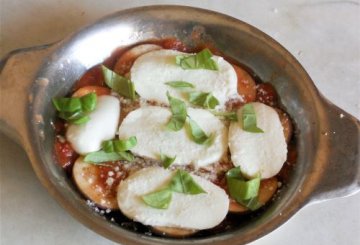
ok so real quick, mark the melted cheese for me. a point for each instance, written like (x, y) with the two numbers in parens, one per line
(259, 153)
(152, 70)
(202, 211)
(148, 124)
(104, 120)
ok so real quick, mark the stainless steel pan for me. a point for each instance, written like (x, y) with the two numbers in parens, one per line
(328, 145)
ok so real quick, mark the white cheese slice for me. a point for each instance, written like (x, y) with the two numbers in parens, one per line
(152, 70)
(259, 153)
(148, 124)
(202, 211)
(103, 123)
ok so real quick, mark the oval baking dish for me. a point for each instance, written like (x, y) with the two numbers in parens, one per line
(327, 164)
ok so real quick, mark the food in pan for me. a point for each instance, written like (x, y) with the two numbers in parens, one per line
(173, 140)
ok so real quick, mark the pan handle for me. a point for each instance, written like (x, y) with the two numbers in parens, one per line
(17, 73)
(341, 176)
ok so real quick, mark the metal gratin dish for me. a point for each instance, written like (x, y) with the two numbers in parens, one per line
(327, 166)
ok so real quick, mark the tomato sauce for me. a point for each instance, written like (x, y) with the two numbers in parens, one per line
(266, 93)
(109, 171)
(92, 77)
(64, 153)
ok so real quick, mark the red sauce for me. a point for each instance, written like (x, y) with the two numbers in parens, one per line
(103, 176)
(92, 77)
(286, 170)
(59, 127)
(174, 44)
(65, 154)
(265, 93)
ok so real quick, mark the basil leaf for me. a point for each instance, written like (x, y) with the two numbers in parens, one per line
(166, 160)
(77, 117)
(206, 100)
(88, 102)
(198, 135)
(118, 83)
(102, 156)
(182, 182)
(113, 150)
(231, 116)
(126, 155)
(119, 145)
(243, 191)
(108, 146)
(201, 60)
(73, 109)
(158, 199)
(251, 204)
(80, 120)
(71, 116)
(180, 84)
(67, 104)
(178, 110)
(249, 119)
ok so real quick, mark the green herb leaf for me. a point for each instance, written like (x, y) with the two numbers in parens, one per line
(102, 156)
(166, 160)
(249, 119)
(67, 104)
(80, 120)
(88, 102)
(178, 110)
(158, 199)
(113, 150)
(182, 182)
(119, 145)
(126, 155)
(251, 204)
(198, 135)
(201, 60)
(74, 110)
(206, 100)
(118, 83)
(180, 84)
(108, 146)
(71, 116)
(231, 116)
(243, 191)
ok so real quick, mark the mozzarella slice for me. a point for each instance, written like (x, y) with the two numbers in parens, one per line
(259, 153)
(123, 64)
(202, 211)
(152, 70)
(148, 124)
(86, 138)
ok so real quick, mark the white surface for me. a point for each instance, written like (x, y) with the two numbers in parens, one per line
(258, 154)
(179, 214)
(103, 124)
(151, 71)
(154, 137)
(323, 35)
